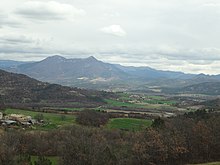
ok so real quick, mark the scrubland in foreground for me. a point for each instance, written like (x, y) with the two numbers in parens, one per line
(178, 140)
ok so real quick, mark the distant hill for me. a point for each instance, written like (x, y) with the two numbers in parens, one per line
(207, 88)
(18, 88)
(10, 64)
(148, 73)
(211, 88)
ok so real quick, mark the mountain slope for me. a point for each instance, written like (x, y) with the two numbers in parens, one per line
(212, 104)
(90, 71)
(18, 88)
(58, 69)
(150, 73)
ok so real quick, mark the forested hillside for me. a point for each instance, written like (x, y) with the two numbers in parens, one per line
(18, 88)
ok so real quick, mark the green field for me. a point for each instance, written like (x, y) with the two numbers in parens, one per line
(54, 120)
(53, 159)
(69, 109)
(151, 104)
(139, 101)
(155, 97)
(128, 123)
(160, 102)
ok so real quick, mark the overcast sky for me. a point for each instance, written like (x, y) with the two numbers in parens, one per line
(180, 35)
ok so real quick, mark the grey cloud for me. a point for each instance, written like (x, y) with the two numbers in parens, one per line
(51, 10)
(26, 50)
(15, 39)
(23, 56)
(6, 21)
(13, 44)
(205, 54)
(164, 51)
(146, 54)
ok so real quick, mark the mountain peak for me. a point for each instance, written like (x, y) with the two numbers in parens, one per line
(91, 58)
(56, 57)
(202, 75)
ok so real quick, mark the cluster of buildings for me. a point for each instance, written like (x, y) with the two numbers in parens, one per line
(16, 119)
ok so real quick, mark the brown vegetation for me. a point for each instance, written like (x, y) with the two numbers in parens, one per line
(92, 118)
(180, 140)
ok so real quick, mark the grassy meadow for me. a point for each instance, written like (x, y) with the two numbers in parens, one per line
(128, 124)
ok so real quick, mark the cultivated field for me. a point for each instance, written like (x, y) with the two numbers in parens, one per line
(128, 124)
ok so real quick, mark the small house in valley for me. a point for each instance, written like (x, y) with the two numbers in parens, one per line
(18, 117)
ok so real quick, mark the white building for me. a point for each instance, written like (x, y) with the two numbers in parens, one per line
(18, 117)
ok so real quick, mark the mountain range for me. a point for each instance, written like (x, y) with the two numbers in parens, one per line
(94, 74)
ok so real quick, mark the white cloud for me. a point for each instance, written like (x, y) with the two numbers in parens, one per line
(115, 30)
(48, 10)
